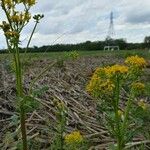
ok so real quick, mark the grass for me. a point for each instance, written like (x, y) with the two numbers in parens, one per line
(56, 55)
(120, 54)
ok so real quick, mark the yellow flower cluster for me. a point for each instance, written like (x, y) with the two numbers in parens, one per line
(10, 3)
(142, 104)
(5, 26)
(11, 34)
(20, 18)
(73, 54)
(99, 85)
(74, 137)
(136, 61)
(138, 86)
(102, 81)
(30, 2)
(115, 69)
(94, 82)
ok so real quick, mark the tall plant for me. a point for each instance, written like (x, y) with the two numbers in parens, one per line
(107, 84)
(15, 22)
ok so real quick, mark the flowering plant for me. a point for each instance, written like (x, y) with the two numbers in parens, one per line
(108, 84)
(12, 27)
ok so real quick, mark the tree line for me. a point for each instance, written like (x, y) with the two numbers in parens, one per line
(90, 46)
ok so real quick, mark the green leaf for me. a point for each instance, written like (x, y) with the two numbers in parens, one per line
(41, 91)
(30, 104)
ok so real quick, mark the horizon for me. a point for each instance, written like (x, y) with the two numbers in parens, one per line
(75, 43)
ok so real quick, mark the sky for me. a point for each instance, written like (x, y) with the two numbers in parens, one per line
(75, 21)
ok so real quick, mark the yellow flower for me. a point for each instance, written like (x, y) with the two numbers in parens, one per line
(142, 104)
(21, 18)
(115, 69)
(120, 114)
(61, 105)
(5, 26)
(98, 85)
(138, 86)
(136, 61)
(95, 80)
(106, 86)
(101, 82)
(74, 137)
(11, 34)
(8, 3)
(30, 2)
(73, 54)
(16, 18)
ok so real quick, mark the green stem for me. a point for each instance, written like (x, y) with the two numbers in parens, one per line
(127, 110)
(62, 124)
(61, 136)
(7, 14)
(117, 118)
(19, 85)
(23, 129)
(31, 37)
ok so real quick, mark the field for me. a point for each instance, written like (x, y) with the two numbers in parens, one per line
(66, 81)
(56, 55)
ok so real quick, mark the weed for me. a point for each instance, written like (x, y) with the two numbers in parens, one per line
(106, 85)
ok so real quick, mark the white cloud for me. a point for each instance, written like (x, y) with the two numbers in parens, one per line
(80, 20)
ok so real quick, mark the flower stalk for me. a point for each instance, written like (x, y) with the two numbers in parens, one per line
(19, 85)
(108, 93)
(12, 28)
(116, 109)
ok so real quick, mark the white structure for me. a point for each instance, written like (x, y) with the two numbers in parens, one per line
(111, 48)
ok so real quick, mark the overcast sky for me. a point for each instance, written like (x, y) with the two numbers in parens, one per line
(73, 21)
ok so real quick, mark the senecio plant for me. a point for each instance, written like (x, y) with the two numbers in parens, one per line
(61, 116)
(15, 22)
(63, 141)
(108, 84)
(74, 141)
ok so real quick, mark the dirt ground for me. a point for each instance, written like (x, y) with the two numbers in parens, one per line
(65, 82)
